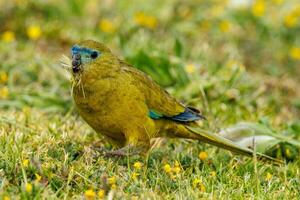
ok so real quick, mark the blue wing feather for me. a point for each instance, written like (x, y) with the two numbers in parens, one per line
(154, 115)
(187, 116)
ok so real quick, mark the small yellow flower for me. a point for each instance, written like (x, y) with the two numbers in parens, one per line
(196, 182)
(89, 194)
(3, 77)
(112, 180)
(213, 174)
(28, 187)
(134, 175)
(4, 92)
(258, 8)
(6, 198)
(190, 68)
(225, 26)
(167, 168)
(203, 155)
(176, 170)
(202, 187)
(137, 165)
(145, 20)
(8, 36)
(101, 194)
(107, 26)
(268, 176)
(113, 186)
(34, 32)
(38, 177)
(25, 163)
(295, 53)
(291, 20)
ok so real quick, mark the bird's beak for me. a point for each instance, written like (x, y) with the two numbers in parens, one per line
(76, 62)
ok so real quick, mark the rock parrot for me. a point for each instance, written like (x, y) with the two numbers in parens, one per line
(128, 108)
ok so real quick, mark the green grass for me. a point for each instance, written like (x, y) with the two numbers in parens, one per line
(245, 73)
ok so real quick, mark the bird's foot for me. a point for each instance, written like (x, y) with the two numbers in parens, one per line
(124, 152)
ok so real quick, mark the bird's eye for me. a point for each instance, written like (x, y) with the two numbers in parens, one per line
(94, 54)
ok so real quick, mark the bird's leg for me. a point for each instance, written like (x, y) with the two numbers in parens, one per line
(103, 146)
(134, 146)
(128, 150)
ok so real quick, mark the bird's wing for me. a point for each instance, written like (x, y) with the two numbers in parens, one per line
(160, 103)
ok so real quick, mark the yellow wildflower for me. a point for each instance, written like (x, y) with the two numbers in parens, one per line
(290, 20)
(213, 174)
(268, 176)
(167, 168)
(134, 175)
(4, 92)
(6, 198)
(89, 194)
(113, 186)
(34, 32)
(258, 8)
(3, 77)
(38, 177)
(101, 194)
(8, 36)
(25, 163)
(201, 187)
(196, 182)
(295, 53)
(203, 155)
(28, 187)
(112, 180)
(225, 26)
(137, 165)
(107, 26)
(176, 170)
(145, 20)
(190, 68)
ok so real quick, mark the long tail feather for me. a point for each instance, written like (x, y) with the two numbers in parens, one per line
(224, 143)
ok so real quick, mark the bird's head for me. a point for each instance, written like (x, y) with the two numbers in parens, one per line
(89, 52)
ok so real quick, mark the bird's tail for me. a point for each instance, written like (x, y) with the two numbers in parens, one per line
(217, 140)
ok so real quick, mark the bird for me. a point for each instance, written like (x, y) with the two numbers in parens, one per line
(128, 108)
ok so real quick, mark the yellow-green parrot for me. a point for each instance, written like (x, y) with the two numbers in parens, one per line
(128, 108)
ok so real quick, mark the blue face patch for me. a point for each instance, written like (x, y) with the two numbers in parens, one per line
(86, 54)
